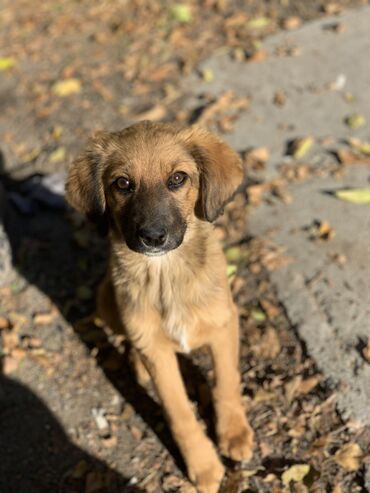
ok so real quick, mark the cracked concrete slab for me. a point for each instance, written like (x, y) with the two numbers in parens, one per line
(327, 301)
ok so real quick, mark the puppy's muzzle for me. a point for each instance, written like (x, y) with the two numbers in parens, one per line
(152, 237)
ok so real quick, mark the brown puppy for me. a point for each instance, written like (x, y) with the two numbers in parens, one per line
(160, 186)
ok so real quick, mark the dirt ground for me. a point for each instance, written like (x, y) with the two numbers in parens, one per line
(72, 418)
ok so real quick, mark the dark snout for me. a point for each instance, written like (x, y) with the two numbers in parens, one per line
(152, 223)
(153, 237)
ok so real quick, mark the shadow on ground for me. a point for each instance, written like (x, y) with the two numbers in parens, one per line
(38, 457)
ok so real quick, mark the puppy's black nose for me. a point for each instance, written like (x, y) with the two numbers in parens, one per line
(153, 237)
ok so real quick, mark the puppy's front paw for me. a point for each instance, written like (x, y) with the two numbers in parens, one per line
(207, 479)
(236, 436)
(205, 468)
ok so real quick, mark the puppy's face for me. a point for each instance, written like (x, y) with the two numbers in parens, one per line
(152, 180)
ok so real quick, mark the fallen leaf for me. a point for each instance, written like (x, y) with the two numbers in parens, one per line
(270, 309)
(58, 155)
(231, 270)
(279, 98)
(355, 120)
(154, 114)
(292, 22)
(354, 195)
(258, 315)
(4, 323)
(57, 131)
(308, 384)
(259, 22)
(66, 87)
(136, 432)
(347, 156)
(291, 387)
(256, 158)
(269, 344)
(363, 147)
(337, 489)
(322, 230)
(7, 63)
(30, 155)
(255, 193)
(366, 351)
(226, 101)
(332, 8)
(299, 147)
(295, 473)
(207, 74)
(349, 457)
(258, 56)
(236, 254)
(181, 12)
(44, 318)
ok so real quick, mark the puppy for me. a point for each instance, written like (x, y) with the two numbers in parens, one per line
(160, 186)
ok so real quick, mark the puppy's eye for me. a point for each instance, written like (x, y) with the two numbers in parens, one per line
(124, 185)
(177, 180)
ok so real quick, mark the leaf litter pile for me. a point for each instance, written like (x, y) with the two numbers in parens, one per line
(69, 67)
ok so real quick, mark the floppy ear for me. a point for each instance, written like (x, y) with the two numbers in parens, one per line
(84, 187)
(220, 170)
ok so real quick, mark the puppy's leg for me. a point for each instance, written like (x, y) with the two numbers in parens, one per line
(204, 466)
(142, 375)
(233, 430)
(107, 310)
(106, 305)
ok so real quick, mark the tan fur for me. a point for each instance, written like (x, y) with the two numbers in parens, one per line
(181, 300)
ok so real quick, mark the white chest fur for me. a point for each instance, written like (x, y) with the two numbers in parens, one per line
(171, 298)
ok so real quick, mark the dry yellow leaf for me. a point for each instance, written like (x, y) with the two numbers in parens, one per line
(66, 87)
(355, 121)
(354, 195)
(7, 63)
(349, 457)
(295, 473)
(300, 147)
